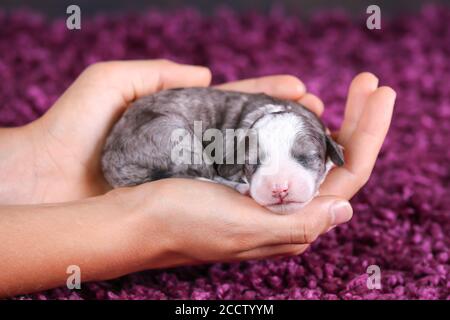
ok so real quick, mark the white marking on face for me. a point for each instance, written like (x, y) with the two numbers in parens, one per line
(281, 183)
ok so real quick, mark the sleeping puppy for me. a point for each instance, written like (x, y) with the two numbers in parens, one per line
(274, 150)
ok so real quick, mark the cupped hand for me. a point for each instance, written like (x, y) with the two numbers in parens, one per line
(67, 141)
(368, 114)
(163, 223)
(224, 225)
(233, 227)
(188, 222)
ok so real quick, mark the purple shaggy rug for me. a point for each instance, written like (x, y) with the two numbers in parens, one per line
(402, 217)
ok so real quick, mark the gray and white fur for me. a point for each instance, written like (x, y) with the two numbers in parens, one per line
(294, 150)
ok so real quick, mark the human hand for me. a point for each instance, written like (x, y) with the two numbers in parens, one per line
(157, 224)
(70, 136)
(153, 225)
(368, 114)
(188, 222)
(66, 143)
(248, 231)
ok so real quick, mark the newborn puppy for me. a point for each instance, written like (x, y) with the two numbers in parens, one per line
(285, 152)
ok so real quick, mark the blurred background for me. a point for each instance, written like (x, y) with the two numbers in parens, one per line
(304, 7)
(402, 216)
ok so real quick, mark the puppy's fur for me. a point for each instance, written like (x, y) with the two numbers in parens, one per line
(294, 150)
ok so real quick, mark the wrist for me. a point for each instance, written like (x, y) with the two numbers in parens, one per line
(16, 156)
(146, 230)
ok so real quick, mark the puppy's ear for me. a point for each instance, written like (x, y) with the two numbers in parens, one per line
(334, 151)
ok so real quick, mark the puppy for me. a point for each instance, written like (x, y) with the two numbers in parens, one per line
(274, 150)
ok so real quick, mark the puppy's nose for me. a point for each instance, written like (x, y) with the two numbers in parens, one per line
(280, 190)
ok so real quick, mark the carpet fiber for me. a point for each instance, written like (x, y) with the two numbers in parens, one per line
(402, 216)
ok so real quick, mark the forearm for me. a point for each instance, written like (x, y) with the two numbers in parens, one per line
(39, 242)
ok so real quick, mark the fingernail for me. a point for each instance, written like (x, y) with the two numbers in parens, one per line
(341, 212)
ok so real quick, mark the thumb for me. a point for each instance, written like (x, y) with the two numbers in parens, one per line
(121, 82)
(305, 225)
(89, 107)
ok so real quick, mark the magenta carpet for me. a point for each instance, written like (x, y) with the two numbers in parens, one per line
(402, 217)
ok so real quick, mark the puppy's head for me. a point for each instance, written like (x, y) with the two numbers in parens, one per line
(293, 156)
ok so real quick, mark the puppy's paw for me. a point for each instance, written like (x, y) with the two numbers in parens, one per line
(243, 188)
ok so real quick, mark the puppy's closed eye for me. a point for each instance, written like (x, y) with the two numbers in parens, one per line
(307, 160)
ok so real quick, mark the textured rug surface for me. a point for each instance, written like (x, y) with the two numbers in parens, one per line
(402, 216)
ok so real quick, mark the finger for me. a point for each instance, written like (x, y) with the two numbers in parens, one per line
(363, 147)
(304, 226)
(104, 89)
(136, 78)
(313, 103)
(360, 89)
(279, 86)
(273, 251)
